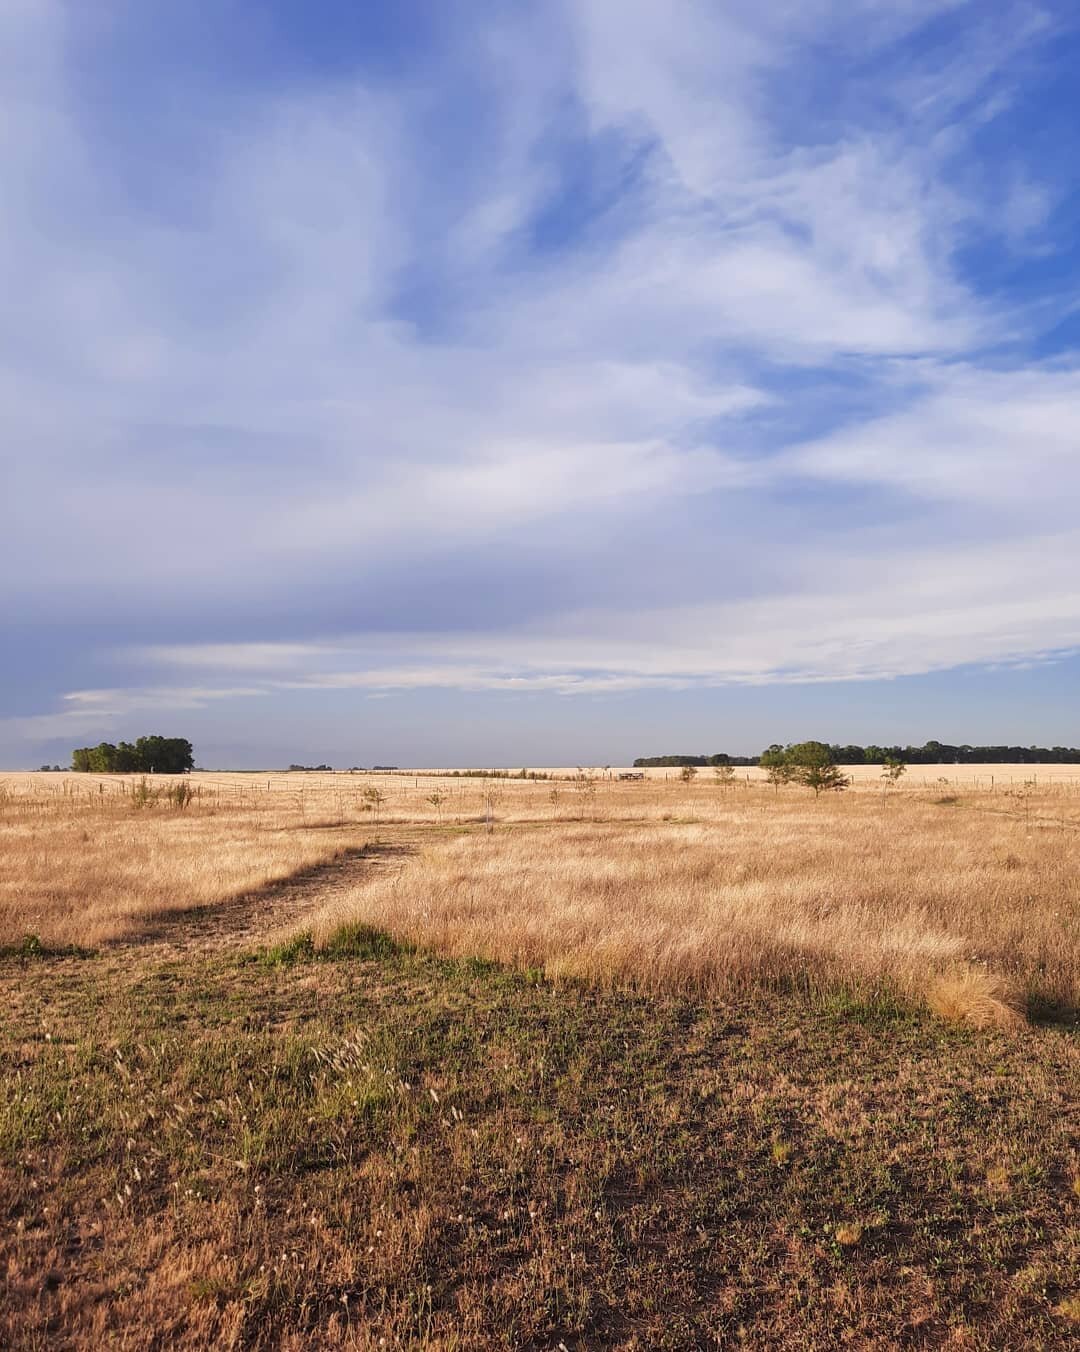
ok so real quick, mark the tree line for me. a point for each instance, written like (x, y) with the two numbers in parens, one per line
(930, 753)
(146, 755)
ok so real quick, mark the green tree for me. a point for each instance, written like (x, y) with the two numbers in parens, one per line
(157, 755)
(813, 767)
(103, 758)
(775, 763)
(164, 755)
(127, 759)
(892, 770)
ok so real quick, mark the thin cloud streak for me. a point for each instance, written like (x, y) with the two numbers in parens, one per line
(613, 294)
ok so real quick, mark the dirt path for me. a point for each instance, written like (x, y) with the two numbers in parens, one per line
(255, 917)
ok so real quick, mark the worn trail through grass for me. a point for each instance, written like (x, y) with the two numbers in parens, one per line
(251, 920)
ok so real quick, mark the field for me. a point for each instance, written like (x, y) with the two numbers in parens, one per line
(442, 1061)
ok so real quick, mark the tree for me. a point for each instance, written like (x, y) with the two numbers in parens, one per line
(373, 800)
(687, 773)
(892, 769)
(102, 758)
(164, 755)
(812, 765)
(724, 773)
(584, 784)
(775, 763)
(127, 759)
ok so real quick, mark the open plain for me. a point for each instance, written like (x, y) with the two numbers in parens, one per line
(454, 1060)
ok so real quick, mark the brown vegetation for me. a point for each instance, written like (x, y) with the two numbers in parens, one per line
(970, 900)
(84, 868)
(215, 1140)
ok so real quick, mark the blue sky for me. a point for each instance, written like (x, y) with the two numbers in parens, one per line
(495, 383)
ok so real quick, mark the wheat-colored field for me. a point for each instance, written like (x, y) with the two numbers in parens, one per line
(81, 864)
(973, 899)
(944, 889)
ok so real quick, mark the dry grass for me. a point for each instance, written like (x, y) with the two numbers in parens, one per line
(204, 1145)
(769, 889)
(85, 870)
(405, 1152)
(982, 999)
(660, 884)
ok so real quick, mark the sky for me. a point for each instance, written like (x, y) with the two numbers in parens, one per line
(537, 384)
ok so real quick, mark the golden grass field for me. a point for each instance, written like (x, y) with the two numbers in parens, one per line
(944, 889)
(444, 1063)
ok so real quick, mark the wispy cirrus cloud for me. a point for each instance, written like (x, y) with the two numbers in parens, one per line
(528, 365)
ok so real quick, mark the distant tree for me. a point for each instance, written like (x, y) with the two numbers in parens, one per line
(776, 765)
(893, 769)
(158, 755)
(812, 765)
(127, 759)
(724, 773)
(165, 755)
(687, 773)
(584, 785)
(891, 772)
(103, 758)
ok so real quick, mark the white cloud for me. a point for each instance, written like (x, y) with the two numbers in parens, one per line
(345, 358)
(1004, 440)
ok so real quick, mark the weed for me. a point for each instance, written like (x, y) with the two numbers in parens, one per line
(298, 948)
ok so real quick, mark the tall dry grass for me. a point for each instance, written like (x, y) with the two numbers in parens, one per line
(770, 889)
(86, 869)
(657, 883)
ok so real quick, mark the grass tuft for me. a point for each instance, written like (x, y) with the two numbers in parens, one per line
(298, 948)
(978, 999)
(362, 941)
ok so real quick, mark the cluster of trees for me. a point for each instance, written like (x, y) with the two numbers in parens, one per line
(147, 755)
(942, 753)
(311, 767)
(931, 753)
(808, 763)
(811, 764)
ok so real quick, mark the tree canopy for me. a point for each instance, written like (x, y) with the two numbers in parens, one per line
(147, 755)
(930, 753)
